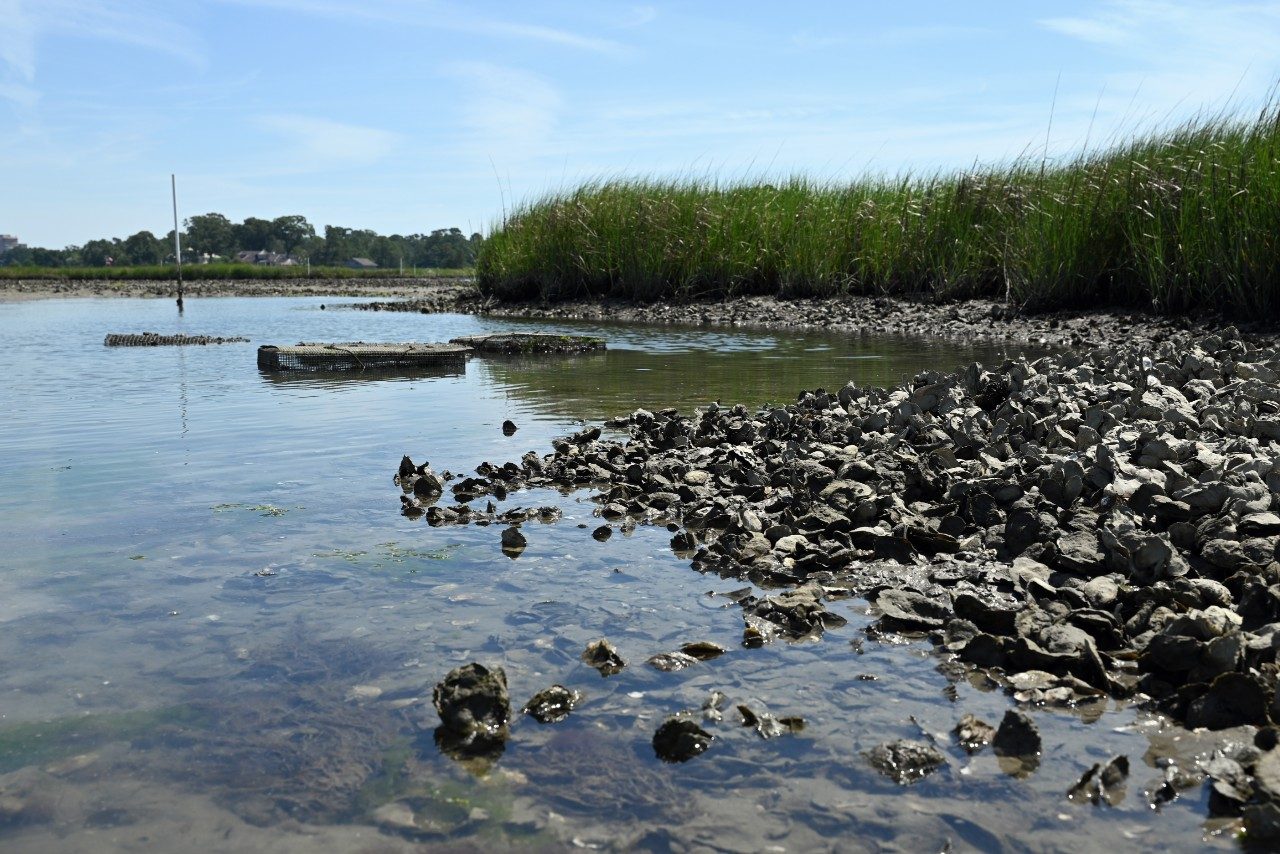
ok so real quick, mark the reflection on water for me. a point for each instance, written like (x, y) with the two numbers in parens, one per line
(336, 379)
(217, 631)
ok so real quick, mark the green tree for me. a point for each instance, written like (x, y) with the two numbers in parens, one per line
(18, 256)
(292, 232)
(448, 247)
(143, 248)
(46, 257)
(210, 233)
(256, 234)
(336, 242)
(312, 248)
(96, 252)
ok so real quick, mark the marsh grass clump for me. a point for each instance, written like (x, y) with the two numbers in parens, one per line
(1178, 220)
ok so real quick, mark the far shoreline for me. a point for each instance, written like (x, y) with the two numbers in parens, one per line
(969, 320)
(24, 290)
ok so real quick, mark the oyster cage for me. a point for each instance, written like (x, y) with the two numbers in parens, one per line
(152, 339)
(518, 343)
(359, 356)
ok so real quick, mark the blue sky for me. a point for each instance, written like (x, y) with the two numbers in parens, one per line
(405, 115)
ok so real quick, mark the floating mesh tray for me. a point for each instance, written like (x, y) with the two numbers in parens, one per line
(152, 339)
(359, 356)
(514, 343)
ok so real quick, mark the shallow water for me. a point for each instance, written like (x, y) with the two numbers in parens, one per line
(214, 621)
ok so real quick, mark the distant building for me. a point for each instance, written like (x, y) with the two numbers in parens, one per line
(361, 264)
(265, 258)
(7, 242)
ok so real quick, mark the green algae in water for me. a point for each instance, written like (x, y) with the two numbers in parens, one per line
(32, 743)
(481, 809)
(390, 781)
(390, 553)
(261, 509)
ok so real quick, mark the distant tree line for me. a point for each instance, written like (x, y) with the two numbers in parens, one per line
(212, 236)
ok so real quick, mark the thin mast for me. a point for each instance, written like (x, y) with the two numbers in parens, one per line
(177, 241)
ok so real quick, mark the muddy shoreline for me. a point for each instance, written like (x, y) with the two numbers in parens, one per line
(985, 320)
(13, 290)
(969, 320)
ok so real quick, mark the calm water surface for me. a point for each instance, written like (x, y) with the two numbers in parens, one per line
(217, 632)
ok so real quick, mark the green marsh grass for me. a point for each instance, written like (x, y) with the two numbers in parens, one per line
(1176, 221)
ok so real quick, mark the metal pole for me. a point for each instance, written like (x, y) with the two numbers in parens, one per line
(177, 241)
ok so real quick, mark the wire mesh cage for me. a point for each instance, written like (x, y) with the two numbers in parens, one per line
(520, 343)
(152, 339)
(359, 356)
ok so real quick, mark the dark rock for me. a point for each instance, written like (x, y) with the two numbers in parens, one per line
(473, 699)
(985, 650)
(1232, 699)
(703, 650)
(406, 467)
(428, 485)
(909, 609)
(795, 614)
(602, 533)
(671, 661)
(513, 542)
(1016, 736)
(1261, 825)
(1049, 689)
(474, 708)
(768, 726)
(1102, 783)
(601, 655)
(1232, 784)
(509, 428)
(683, 542)
(996, 619)
(679, 740)
(1025, 527)
(1079, 552)
(1259, 524)
(973, 734)
(553, 704)
(906, 762)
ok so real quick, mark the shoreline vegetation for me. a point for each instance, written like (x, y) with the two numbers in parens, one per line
(1173, 222)
(218, 272)
(387, 284)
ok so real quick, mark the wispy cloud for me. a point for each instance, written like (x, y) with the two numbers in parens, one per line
(316, 144)
(135, 23)
(1180, 32)
(907, 36)
(638, 17)
(511, 113)
(1175, 58)
(17, 40)
(1096, 30)
(18, 93)
(434, 15)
